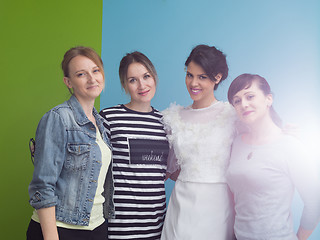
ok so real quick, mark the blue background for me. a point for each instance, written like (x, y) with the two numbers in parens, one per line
(279, 40)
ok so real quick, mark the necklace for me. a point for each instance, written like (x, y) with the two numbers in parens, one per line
(251, 149)
(267, 137)
(249, 156)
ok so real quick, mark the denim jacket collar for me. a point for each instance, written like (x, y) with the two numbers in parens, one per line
(80, 117)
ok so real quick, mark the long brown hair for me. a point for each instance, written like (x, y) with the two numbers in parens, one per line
(135, 57)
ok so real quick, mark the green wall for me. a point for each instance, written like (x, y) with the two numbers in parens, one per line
(34, 36)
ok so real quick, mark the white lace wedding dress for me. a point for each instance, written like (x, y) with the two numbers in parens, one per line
(200, 206)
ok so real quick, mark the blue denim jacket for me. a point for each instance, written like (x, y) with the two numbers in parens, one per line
(67, 163)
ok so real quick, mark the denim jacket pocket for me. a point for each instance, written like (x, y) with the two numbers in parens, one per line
(78, 156)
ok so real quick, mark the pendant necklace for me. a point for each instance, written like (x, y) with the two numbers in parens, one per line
(249, 156)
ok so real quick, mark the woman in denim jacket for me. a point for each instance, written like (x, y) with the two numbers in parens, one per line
(72, 185)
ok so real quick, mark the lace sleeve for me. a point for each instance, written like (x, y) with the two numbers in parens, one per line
(172, 163)
(170, 115)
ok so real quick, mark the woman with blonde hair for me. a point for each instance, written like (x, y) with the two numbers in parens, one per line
(72, 185)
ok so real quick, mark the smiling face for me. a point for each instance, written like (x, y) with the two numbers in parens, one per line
(85, 78)
(140, 85)
(200, 86)
(251, 104)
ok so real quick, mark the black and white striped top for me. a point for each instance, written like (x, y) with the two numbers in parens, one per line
(140, 150)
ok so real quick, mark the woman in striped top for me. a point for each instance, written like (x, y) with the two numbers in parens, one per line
(140, 151)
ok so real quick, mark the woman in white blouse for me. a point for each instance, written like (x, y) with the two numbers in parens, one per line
(266, 166)
(200, 135)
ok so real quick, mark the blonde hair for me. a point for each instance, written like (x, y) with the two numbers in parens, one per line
(80, 51)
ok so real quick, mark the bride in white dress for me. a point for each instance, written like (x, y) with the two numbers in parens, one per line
(200, 136)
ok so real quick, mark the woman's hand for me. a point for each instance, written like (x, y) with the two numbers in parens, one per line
(291, 129)
(173, 176)
(303, 234)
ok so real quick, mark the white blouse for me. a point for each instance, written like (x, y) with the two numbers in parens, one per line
(201, 141)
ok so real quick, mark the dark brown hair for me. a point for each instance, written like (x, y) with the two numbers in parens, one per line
(245, 81)
(211, 60)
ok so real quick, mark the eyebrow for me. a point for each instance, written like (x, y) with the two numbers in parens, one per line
(82, 70)
(142, 74)
(203, 74)
(128, 78)
(235, 97)
(248, 92)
